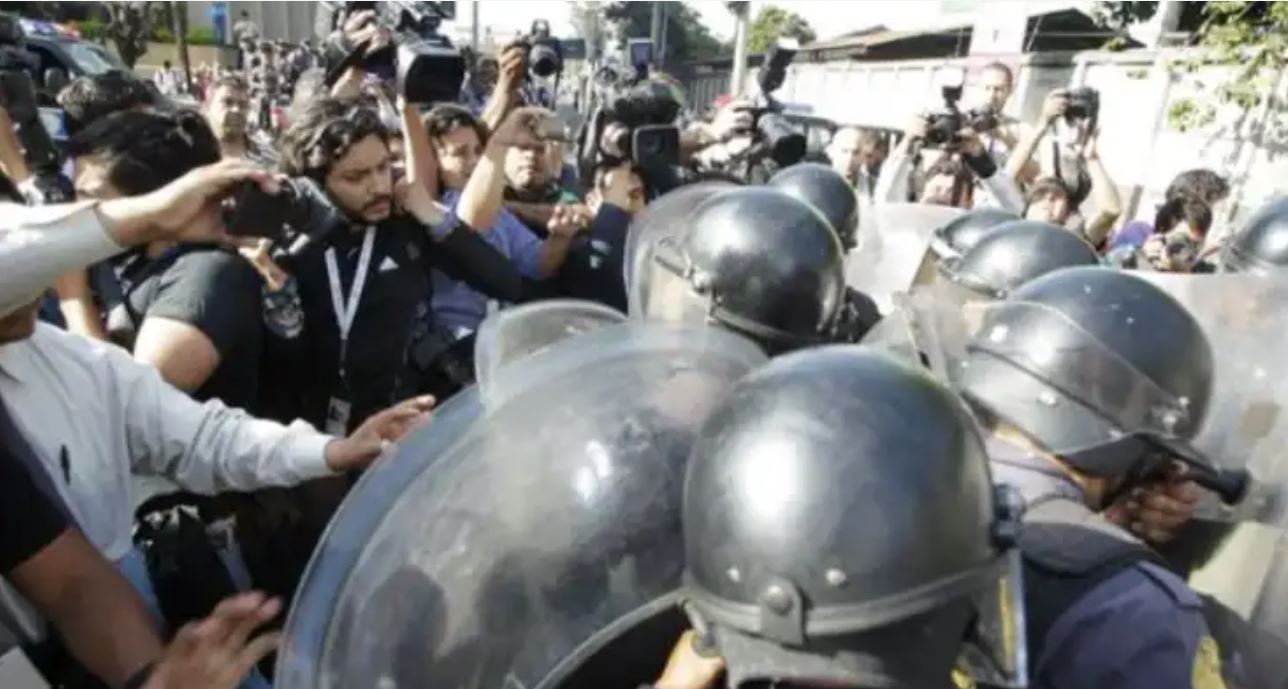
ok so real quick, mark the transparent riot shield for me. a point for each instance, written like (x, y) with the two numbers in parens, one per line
(665, 217)
(510, 335)
(513, 548)
(894, 249)
(1244, 318)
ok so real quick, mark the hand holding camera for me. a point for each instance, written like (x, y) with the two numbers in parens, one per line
(523, 128)
(512, 63)
(1055, 105)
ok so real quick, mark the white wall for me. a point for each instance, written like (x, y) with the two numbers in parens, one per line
(1140, 149)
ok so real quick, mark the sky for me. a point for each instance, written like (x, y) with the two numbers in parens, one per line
(829, 18)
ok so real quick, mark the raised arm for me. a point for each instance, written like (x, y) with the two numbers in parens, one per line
(1104, 191)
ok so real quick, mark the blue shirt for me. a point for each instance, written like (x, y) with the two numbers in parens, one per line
(456, 305)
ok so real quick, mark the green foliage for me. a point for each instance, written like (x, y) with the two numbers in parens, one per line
(201, 35)
(162, 34)
(772, 23)
(1249, 38)
(687, 38)
(92, 29)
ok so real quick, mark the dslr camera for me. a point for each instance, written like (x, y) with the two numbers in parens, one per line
(545, 52)
(1084, 104)
(425, 66)
(942, 125)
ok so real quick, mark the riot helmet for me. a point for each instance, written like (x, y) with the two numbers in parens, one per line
(827, 191)
(1099, 367)
(1261, 245)
(753, 260)
(839, 513)
(963, 232)
(1014, 252)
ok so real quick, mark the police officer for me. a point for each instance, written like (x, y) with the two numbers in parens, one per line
(1091, 381)
(827, 191)
(964, 231)
(1261, 245)
(758, 262)
(1014, 252)
(838, 518)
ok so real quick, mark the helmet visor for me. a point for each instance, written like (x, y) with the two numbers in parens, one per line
(1023, 360)
(666, 290)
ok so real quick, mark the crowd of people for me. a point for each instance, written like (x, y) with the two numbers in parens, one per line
(187, 392)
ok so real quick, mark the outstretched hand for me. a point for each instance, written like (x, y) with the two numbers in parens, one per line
(364, 445)
(219, 651)
(188, 209)
(688, 669)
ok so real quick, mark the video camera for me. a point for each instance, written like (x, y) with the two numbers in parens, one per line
(18, 97)
(943, 125)
(425, 66)
(774, 136)
(634, 120)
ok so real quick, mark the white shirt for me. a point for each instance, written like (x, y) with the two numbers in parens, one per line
(94, 415)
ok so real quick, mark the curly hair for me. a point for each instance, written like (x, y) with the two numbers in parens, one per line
(324, 132)
(1201, 183)
(145, 150)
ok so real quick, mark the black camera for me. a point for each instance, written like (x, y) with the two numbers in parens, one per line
(298, 217)
(545, 53)
(1084, 104)
(425, 66)
(775, 136)
(942, 126)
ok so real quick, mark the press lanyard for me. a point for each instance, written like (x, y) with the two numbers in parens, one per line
(346, 309)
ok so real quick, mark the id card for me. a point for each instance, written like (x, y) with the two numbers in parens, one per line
(337, 417)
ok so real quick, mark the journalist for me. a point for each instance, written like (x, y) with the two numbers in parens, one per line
(94, 416)
(949, 179)
(1073, 159)
(364, 289)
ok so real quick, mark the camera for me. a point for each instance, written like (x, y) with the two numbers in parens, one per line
(424, 65)
(18, 97)
(545, 53)
(776, 137)
(942, 126)
(296, 218)
(1084, 104)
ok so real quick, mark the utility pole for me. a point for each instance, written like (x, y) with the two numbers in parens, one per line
(474, 26)
(179, 20)
(739, 76)
(657, 34)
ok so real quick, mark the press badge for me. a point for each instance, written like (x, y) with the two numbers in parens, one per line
(337, 417)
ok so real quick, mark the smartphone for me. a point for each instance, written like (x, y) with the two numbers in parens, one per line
(256, 213)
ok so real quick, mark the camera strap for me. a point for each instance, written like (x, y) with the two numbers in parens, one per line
(346, 308)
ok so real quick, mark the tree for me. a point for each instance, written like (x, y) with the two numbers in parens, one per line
(687, 39)
(1248, 38)
(129, 26)
(772, 23)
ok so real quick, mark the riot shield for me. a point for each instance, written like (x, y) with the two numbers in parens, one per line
(894, 248)
(510, 335)
(665, 217)
(1243, 316)
(507, 549)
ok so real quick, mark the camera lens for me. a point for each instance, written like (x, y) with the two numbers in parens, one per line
(544, 61)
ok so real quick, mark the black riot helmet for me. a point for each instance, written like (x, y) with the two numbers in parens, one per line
(964, 231)
(756, 261)
(1261, 245)
(1015, 252)
(838, 514)
(827, 191)
(1100, 367)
